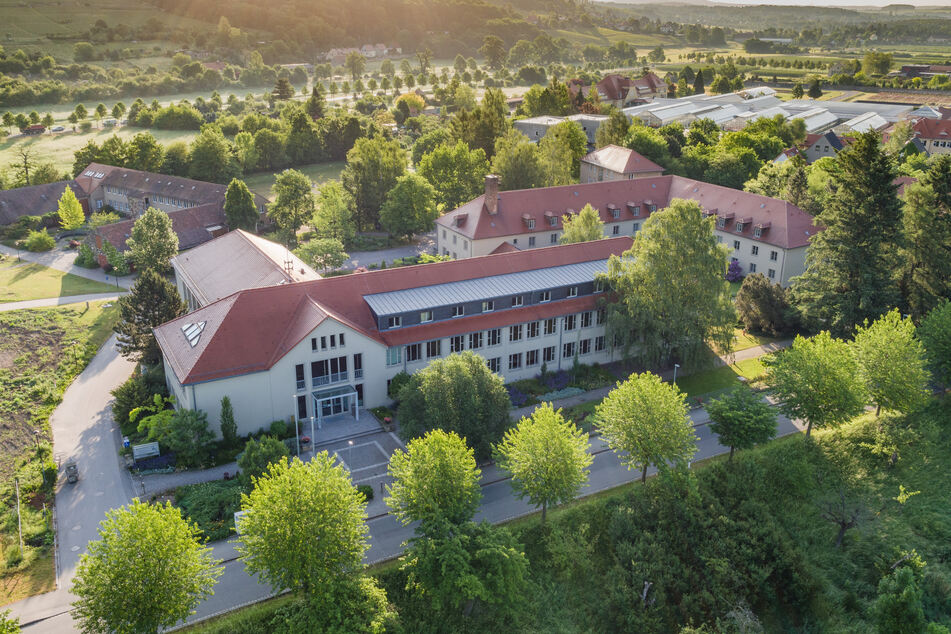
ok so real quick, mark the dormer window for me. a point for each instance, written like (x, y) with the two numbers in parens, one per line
(545, 296)
(757, 232)
(394, 322)
(721, 223)
(488, 306)
(634, 208)
(599, 286)
(739, 226)
(572, 291)
(425, 316)
(458, 310)
(516, 301)
(531, 223)
(615, 213)
(552, 221)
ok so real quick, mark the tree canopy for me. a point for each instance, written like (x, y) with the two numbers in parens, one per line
(293, 204)
(456, 172)
(333, 217)
(153, 243)
(71, 214)
(151, 302)
(584, 226)
(240, 210)
(374, 165)
(741, 419)
(410, 207)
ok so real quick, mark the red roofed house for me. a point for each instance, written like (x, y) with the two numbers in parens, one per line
(767, 235)
(933, 134)
(621, 91)
(332, 345)
(613, 162)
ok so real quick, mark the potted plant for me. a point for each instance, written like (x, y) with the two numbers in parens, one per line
(305, 443)
(387, 423)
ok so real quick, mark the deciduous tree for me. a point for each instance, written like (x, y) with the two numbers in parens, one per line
(293, 204)
(614, 130)
(762, 306)
(817, 380)
(153, 242)
(258, 455)
(410, 207)
(584, 226)
(898, 608)
(671, 293)
(304, 528)
(517, 162)
(741, 419)
(494, 51)
(210, 157)
(458, 394)
(322, 253)
(455, 172)
(148, 570)
(333, 217)
(647, 419)
(71, 214)
(935, 333)
(240, 210)
(891, 361)
(436, 478)
(547, 457)
(374, 165)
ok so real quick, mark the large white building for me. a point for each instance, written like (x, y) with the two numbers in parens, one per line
(329, 346)
(767, 235)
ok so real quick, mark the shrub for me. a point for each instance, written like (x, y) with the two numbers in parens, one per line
(278, 429)
(211, 505)
(229, 430)
(366, 490)
(763, 307)
(397, 383)
(734, 272)
(86, 258)
(38, 241)
(258, 454)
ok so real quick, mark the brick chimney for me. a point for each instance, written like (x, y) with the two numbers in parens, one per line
(492, 194)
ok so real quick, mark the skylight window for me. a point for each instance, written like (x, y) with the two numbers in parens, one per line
(192, 332)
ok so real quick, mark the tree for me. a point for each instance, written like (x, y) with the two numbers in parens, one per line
(322, 253)
(153, 242)
(100, 112)
(410, 207)
(183, 431)
(455, 172)
(817, 380)
(9, 624)
(547, 457)
(698, 88)
(850, 266)
(283, 89)
(333, 217)
(935, 333)
(304, 527)
(494, 51)
(293, 203)
(424, 57)
(614, 130)
(570, 134)
(316, 105)
(177, 159)
(118, 110)
(876, 63)
(229, 430)
(356, 64)
(899, 136)
(435, 479)
(483, 126)
(269, 146)
(240, 210)
(210, 157)
(670, 288)
(647, 419)
(741, 419)
(517, 162)
(48, 120)
(71, 214)
(374, 165)
(926, 222)
(457, 394)
(898, 608)
(260, 454)
(891, 361)
(584, 226)
(80, 112)
(151, 302)
(144, 153)
(452, 567)
(815, 89)
(797, 91)
(148, 570)
(763, 307)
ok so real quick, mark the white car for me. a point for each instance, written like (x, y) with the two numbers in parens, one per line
(57, 128)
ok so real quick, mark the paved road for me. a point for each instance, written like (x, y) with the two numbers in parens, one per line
(64, 259)
(83, 429)
(57, 301)
(426, 244)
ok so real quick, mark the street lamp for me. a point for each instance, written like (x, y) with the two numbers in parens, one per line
(676, 365)
(350, 456)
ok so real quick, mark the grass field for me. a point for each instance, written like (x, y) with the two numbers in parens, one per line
(35, 281)
(41, 352)
(263, 182)
(59, 148)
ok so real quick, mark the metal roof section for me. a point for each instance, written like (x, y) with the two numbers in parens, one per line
(427, 297)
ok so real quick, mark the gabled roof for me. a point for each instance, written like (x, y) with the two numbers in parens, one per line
(192, 225)
(790, 227)
(938, 129)
(834, 141)
(621, 160)
(252, 329)
(96, 175)
(235, 261)
(35, 200)
(615, 86)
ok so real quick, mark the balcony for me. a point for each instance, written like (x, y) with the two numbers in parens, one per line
(333, 377)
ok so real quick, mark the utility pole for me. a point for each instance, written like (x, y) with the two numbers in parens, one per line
(16, 482)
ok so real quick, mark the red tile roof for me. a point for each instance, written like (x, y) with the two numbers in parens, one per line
(192, 225)
(939, 129)
(790, 227)
(505, 247)
(622, 160)
(615, 86)
(252, 329)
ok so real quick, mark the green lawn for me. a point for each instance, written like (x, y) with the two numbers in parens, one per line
(717, 380)
(35, 281)
(263, 182)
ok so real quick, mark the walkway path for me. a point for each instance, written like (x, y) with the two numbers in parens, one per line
(57, 301)
(426, 244)
(63, 259)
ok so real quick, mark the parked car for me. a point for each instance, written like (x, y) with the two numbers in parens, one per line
(72, 472)
(57, 128)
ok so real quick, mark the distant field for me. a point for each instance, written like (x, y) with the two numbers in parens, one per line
(59, 148)
(263, 182)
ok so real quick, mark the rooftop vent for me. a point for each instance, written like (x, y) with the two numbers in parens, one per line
(192, 332)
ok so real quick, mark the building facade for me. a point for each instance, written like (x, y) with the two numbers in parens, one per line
(329, 346)
(767, 235)
(612, 163)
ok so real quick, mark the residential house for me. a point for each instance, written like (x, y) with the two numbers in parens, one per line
(767, 235)
(328, 347)
(36, 200)
(612, 163)
(933, 135)
(252, 262)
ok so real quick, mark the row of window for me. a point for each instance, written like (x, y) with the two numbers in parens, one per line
(328, 371)
(327, 342)
(493, 337)
(754, 249)
(738, 227)
(532, 358)
(770, 273)
(488, 306)
(119, 205)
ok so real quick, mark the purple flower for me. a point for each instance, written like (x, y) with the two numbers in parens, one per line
(734, 272)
